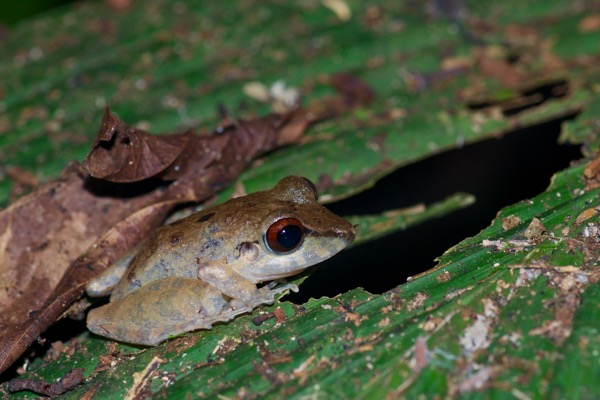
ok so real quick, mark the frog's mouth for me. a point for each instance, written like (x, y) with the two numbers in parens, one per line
(275, 277)
(312, 251)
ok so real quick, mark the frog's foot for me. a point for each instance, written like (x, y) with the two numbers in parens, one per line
(267, 293)
(285, 286)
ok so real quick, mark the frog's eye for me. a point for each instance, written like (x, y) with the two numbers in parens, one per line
(284, 235)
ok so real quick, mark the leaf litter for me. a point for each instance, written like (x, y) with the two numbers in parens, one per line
(68, 382)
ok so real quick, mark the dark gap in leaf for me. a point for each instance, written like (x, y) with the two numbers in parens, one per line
(499, 172)
(103, 188)
(530, 98)
(62, 331)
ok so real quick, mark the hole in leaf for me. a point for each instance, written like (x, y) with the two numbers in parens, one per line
(527, 99)
(499, 172)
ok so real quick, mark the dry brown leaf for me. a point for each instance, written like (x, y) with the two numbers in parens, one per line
(123, 154)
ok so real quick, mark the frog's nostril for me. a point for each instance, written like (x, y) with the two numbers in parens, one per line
(348, 235)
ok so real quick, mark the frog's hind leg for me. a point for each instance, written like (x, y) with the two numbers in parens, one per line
(159, 310)
(104, 283)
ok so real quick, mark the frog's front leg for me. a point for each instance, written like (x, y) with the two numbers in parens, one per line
(159, 310)
(104, 283)
(242, 291)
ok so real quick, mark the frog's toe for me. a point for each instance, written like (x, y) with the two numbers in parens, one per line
(283, 288)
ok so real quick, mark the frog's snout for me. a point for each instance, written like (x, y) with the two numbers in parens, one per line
(347, 234)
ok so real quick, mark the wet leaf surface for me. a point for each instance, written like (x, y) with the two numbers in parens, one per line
(505, 313)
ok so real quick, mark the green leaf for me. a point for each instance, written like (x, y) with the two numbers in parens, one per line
(509, 312)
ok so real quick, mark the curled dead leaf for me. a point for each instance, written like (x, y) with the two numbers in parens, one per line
(124, 154)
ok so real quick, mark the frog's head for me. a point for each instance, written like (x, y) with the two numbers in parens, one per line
(297, 232)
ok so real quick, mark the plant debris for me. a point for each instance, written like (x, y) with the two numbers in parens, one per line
(68, 382)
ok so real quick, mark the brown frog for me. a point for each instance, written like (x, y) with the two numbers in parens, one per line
(205, 268)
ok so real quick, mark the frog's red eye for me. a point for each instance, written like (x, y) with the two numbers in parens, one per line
(284, 235)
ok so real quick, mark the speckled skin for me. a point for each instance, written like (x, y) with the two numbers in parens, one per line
(204, 268)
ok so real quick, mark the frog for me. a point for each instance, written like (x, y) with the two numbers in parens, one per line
(216, 264)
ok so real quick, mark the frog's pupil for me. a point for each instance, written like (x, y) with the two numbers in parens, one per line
(289, 236)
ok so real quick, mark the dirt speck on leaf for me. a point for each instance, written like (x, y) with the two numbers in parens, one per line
(589, 23)
(567, 297)
(510, 222)
(535, 229)
(417, 301)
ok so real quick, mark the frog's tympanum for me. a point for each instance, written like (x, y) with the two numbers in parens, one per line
(205, 268)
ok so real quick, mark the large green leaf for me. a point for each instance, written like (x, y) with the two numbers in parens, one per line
(509, 312)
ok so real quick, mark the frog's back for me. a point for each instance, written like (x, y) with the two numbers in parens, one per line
(180, 248)
(174, 250)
